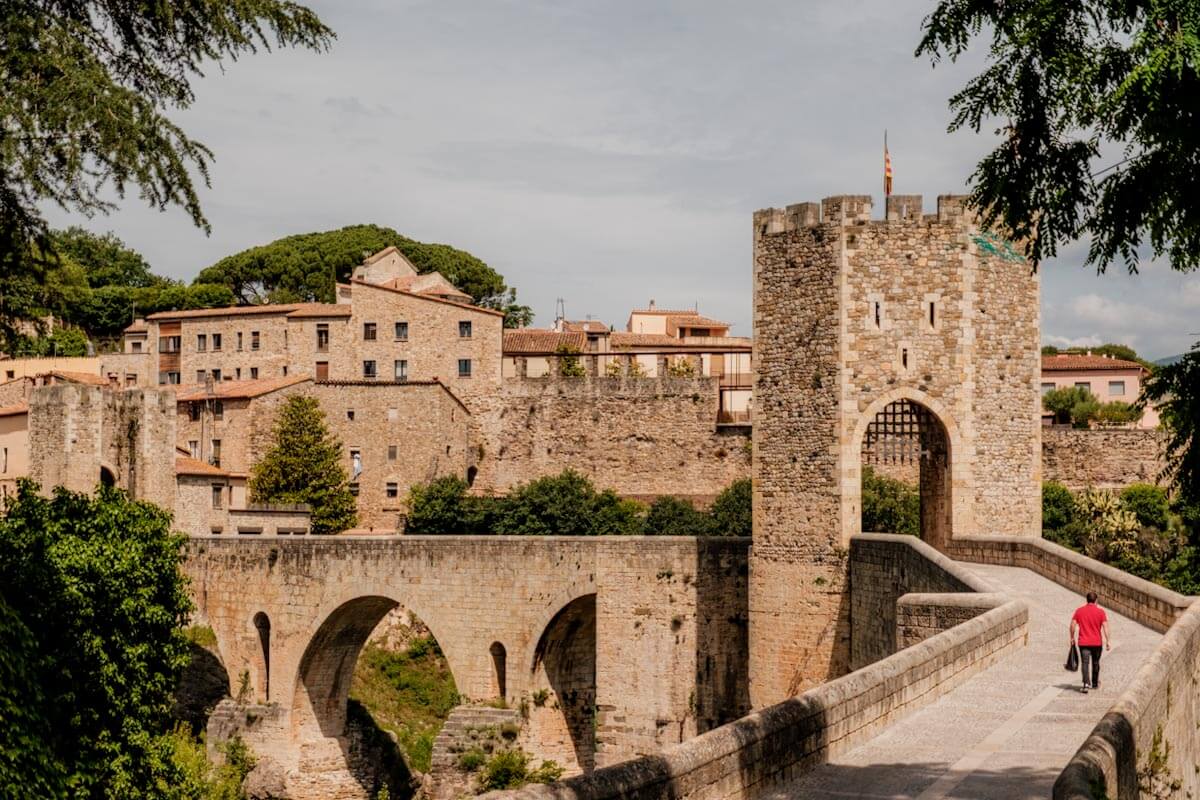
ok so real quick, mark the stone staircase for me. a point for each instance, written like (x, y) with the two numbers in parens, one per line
(468, 727)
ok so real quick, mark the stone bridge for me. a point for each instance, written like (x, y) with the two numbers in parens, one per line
(641, 642)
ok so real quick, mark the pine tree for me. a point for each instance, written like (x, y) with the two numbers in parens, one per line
(304, 466)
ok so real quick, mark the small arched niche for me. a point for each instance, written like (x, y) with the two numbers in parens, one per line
(499, 670)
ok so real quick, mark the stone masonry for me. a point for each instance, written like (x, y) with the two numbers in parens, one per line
(854, 315)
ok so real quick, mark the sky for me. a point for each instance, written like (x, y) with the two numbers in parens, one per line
(605, 153)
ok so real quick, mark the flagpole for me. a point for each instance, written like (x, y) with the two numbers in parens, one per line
(886, 188)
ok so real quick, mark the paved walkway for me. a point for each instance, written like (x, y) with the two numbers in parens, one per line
(1005, 733)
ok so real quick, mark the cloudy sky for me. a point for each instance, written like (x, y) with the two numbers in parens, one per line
(602, 152)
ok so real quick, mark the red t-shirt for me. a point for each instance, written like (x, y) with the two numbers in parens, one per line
(1089, 618)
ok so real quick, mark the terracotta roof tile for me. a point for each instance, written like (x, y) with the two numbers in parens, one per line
(626, 339)
(693, 320)
(226, 311)
(236, 390)
(317, 310)
(14, 409)
(540, 341)
(429, 297)
(137, 326)
(186, 465)
(585, 325)
(77, 377)
(1072, 362)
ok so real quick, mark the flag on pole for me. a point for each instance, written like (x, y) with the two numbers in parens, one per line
(887, 168)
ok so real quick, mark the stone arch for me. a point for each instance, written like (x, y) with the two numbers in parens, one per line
(108, 478)
(326, 667)
(943, 473)
(562, 717)
(499, 670)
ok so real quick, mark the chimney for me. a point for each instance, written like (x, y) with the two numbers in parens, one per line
(652, 304)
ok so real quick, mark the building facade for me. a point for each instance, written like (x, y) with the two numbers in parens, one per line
(1108, 379)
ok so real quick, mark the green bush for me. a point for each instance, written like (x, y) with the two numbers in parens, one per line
(1058, 506)
(671, 516)
(472, 760)
(568, 361)
(510, 769)
(565, 505)
(1148, 503)
(1073, 404)
(889, 505)
(443, 506)
(1117, 413)
(732, 511)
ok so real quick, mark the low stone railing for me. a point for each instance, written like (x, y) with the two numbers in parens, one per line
(774, 746)
(1148, 744)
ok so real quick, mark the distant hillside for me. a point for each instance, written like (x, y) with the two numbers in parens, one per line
(1169, 360)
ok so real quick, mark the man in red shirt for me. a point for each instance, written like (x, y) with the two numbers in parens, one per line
(1089, 628)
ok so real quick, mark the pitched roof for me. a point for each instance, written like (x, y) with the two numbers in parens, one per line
(137, 326)
(672, 312)
(225, 311)
(626, 339)
(77, 377)
(429, 297)
(620, 339)
(306, 310)
(585, 325)
(186, 465)
(540, 341)
(694, 320)
(14, 409)
(236, 390)
(1064, 362)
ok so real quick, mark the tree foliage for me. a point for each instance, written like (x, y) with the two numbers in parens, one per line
(87, 88)
(443, 506)
(671, 516)
(889, 505)
(303, 268)
(566, 505)
(105, 259)
(732, 510)
(95, 584)
(1073, 83)
(304, 465)
(1071, 404)
(1175, 391)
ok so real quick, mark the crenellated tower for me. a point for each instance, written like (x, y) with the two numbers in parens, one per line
(908, 340)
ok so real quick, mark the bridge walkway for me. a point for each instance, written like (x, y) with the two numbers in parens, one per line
(1005, 733)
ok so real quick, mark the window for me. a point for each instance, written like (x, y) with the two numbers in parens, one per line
(131, 381)
(218, 409)
(237, 373)
(194, 448)
(254, 340)
(401, 370)
(1084, 385)
(216, 373)
(464, 329)
(171, 378)
(392, 450)
(369, 370)
(201, 342)
(201, 375)
(137, 347)
(1047, 388)
(350, 413)
(878, 314)
(169, 344)
(216, 341)
(932, 314)
(10, 374)
(4, 466)
(393, 490)
(322, 370)
(355, 463)
(322, 337)
(368, 331)
(904, 357)
(239, 335)
(354, 489)
(216, 453)
(254, 373)
(401, 331)
(217, 530)
(193, 411)
(285, 370)
(1116, 388)
(217, 491)
(464, 368)
(394, 414)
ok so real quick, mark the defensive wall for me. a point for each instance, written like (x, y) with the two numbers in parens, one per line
(638, 436)
(578, 617)
(770, 747)
(1101, 457)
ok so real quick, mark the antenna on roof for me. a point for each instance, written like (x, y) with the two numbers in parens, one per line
(560, 313)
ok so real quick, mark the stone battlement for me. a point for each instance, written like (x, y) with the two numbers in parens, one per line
(855, 209)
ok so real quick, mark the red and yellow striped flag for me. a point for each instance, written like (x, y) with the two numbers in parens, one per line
(887, 168)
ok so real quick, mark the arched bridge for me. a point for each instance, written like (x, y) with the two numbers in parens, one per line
(640, 640)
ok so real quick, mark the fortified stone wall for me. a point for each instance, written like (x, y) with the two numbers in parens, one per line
(1104, 458)
(79, 435)
(637, 436)
(851, 316)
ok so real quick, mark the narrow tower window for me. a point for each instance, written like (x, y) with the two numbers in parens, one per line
(932, 314)
(877, 314)
(904, 357)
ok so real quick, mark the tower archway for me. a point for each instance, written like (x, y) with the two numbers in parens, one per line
(905, 440)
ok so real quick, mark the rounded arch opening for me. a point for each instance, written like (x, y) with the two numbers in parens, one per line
(906, 476)
(107, 478)
(562, 723)
(262, 624)
(499, 670)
